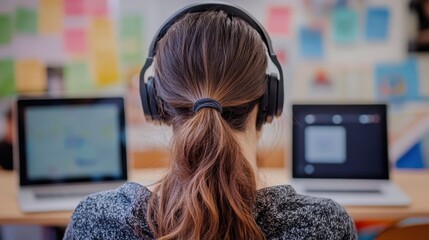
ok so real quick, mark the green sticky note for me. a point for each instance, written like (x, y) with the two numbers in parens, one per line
(131, 39)
(7, 77)
(6, 29)
(77, 77)
(26, 20)
(345, 25)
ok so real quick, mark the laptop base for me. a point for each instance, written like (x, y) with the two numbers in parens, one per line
(356, 193)
(59, 198)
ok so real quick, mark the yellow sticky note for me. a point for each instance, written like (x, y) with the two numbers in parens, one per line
(30, 76)
(51, 16)
(104, 51)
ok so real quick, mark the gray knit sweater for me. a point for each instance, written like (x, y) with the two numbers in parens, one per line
(280, 212)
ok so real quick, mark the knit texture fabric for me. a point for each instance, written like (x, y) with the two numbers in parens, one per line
(280, 212)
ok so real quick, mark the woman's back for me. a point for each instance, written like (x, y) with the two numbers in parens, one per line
(279, 211)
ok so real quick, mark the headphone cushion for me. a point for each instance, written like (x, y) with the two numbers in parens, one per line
(272, 97)
(152, 101)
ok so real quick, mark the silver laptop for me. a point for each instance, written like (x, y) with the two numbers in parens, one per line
(68, 148)
(341, 152)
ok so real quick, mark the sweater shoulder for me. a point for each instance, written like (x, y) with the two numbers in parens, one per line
(282, 213)
(114, 214)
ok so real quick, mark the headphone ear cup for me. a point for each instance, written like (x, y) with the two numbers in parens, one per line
(272, 97)
(263, 105)
(152, 101)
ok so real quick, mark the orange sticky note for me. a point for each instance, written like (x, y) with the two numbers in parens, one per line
(106, 68)
(104, 51)
(51, 16)
(278, 22)
(30, 76)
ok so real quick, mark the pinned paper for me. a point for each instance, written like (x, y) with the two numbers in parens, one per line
(6, 29)
(279, 20)
(77, 77)
(26, 20)
(311, 43)
(131, 39)
(97, 8)
(397, 81)
(317, 82)
(7, 77)
(74, 7)
(51, 16)
(104, 53)
(345, 25)
(75, 40)
(30, 76)
(377, 24)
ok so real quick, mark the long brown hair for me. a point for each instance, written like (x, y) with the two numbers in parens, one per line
(209, 191)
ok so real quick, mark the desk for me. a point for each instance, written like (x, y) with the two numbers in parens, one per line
(414, 183)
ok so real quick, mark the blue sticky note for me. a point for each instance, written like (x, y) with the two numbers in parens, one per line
(397, 81)
(311, 43)
(344, 25)
(377, 24)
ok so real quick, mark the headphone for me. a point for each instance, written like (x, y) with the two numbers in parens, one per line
(270, 104)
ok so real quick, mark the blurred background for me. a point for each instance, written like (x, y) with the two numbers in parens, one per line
(332, 51)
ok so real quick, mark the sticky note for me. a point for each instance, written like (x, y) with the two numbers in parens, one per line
(377, 23)
(74, 7)
(397, 81)
(311, 43)
(7, 77)
(106, 68)
(30, 76)
(6, 29)
(75, 40)
(77, 77)
(344, 25)
(131, 42)
(26, 20)
(278, 22)
(50, 16)
(97, 8)
(104, 51)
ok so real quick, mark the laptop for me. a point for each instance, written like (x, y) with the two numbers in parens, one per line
(68, 148)
(341, 152)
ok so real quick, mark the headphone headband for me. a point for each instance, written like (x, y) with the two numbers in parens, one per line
(230, 10)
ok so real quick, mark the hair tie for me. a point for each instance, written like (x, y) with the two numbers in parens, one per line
(206, 103)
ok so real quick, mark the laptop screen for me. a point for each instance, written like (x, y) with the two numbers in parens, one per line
(339, 141)
(71, 140)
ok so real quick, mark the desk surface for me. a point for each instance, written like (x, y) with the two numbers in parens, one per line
(414, 183)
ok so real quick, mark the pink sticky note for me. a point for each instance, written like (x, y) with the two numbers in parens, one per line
(281, 55)
(74, 7)
(75, 40)
(279, 20)
(97, 8)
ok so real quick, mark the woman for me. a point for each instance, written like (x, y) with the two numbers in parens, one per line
(210, 75)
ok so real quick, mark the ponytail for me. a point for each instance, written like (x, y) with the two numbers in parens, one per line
(209, 192)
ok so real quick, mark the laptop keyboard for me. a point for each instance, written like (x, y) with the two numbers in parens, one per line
(358, 191)
(62, 195)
